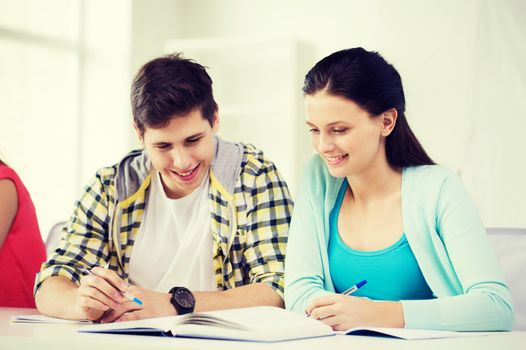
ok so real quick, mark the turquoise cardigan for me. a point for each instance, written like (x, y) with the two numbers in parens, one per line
(444, 231)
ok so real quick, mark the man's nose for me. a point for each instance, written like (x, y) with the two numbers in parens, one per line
(181, 160)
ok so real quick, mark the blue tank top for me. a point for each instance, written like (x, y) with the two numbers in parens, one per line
(392, 273)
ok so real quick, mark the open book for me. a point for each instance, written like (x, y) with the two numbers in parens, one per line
(262, 323)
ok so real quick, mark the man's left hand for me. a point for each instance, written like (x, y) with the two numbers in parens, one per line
(154, 304)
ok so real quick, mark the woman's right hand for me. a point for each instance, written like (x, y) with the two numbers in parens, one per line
(98, 293)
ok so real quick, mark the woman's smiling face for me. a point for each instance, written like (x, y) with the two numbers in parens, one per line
(346, 136)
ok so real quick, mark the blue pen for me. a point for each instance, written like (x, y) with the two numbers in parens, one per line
(126, 294)
(348, 291)
(354, 288)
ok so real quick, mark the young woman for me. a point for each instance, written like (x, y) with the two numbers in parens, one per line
(375, 207)
(21, 248)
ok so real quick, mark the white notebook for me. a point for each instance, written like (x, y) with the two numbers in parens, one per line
(405, 333)
(262, 323)
(38, 318)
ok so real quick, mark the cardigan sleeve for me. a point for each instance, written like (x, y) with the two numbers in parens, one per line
(483, 302)
(304, 264)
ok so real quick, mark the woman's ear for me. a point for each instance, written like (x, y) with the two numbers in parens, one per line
(140, 134)
(388, 121)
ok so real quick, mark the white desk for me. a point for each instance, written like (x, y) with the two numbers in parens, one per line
(57, 337)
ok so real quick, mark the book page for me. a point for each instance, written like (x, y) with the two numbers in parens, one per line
(159, 324)
(264, 317)
(262, 323)
(406, 333)
(38, 318)
(208, 320)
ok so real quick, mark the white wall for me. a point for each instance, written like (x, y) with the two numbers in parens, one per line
(64, 76)
(462, 64)
(104, 110)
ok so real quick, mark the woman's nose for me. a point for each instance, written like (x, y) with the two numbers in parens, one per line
(325, 144)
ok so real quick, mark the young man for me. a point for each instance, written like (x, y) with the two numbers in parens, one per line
(189, 223)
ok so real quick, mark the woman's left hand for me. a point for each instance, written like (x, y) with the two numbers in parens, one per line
(342, 312)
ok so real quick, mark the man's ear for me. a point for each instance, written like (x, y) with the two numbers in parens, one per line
(215, 121)
(388, 121)
(140, 134)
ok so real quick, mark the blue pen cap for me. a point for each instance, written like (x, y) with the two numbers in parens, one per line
(360, 284)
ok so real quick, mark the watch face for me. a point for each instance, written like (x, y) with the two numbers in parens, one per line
(184, 298)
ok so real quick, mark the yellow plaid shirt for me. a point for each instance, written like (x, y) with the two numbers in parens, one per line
(249, 226)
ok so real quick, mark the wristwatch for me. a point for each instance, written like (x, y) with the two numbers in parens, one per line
(183, 300)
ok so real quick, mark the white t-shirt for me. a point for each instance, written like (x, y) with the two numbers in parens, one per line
(174, 243)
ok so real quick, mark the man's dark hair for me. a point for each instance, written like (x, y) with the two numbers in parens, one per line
(168, 87)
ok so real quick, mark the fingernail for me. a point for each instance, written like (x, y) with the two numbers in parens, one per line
(124, 287)
(117, 296)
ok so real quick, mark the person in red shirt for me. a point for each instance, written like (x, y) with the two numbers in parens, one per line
(21, 248)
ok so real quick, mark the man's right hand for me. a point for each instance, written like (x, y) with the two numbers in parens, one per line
(98, 293)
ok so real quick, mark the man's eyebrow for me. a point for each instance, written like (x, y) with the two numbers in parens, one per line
(161, 143)
(199, 134)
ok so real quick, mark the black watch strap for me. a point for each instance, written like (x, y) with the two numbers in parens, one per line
(182, 300)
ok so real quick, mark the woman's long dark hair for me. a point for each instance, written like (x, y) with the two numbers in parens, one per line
(371, 82)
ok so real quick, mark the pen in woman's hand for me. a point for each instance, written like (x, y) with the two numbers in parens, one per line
(126, 294)
(348, 291)
(354, 288)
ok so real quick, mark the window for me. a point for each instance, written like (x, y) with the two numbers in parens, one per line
(40, 62)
